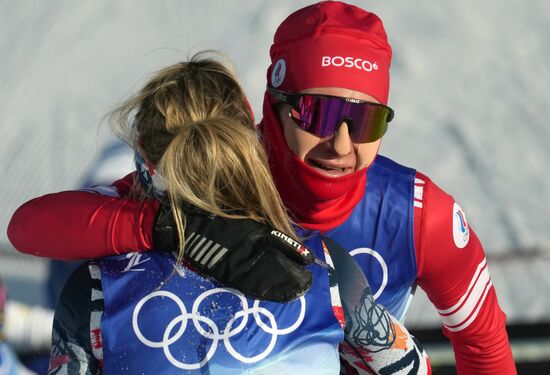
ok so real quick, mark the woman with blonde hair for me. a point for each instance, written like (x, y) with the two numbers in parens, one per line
(211, 302)
(233, 291)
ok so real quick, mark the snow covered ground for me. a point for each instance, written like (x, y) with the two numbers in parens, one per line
(470, 87)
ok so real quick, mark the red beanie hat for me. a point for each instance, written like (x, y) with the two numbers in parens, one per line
(331, 44)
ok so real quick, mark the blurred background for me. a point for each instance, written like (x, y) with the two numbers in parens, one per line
(470, 87)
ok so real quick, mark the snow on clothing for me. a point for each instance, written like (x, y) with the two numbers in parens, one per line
(153, 320)
(449, 262)
(114, 342)
(146, 316)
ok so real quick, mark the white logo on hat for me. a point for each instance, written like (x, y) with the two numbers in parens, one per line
(349, 62)
(278, 73)
(461, 230)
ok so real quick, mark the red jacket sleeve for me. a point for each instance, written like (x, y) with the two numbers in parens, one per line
(452, 270)
(86, 223)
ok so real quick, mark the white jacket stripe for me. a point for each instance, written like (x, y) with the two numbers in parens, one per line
(463, 313)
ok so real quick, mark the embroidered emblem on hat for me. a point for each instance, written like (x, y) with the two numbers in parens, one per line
(461, 231)
(278, 74)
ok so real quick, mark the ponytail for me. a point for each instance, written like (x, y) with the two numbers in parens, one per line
(193, 124)
(219, 166)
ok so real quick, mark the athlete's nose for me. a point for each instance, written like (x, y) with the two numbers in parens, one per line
(341, 143)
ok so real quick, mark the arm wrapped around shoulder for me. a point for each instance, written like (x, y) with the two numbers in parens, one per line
(251, 257)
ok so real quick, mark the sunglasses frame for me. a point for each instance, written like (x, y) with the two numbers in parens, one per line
(293, 98)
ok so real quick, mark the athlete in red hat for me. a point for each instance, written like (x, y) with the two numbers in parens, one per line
(325, 111)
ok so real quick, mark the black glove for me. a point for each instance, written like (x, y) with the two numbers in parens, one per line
(253, 258)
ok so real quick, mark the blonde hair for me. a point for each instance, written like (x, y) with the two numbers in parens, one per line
(193, 123)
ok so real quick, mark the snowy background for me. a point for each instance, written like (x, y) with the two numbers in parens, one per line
(470, 87)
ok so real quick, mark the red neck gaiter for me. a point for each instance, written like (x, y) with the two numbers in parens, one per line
(315, 201)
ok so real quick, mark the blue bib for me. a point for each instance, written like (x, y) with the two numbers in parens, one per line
(379, 234)
(8, 360)
(158, 320)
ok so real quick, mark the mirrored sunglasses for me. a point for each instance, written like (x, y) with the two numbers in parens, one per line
(322, 115)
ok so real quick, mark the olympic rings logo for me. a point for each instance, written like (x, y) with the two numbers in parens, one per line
(383, 265)
(169, 337)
